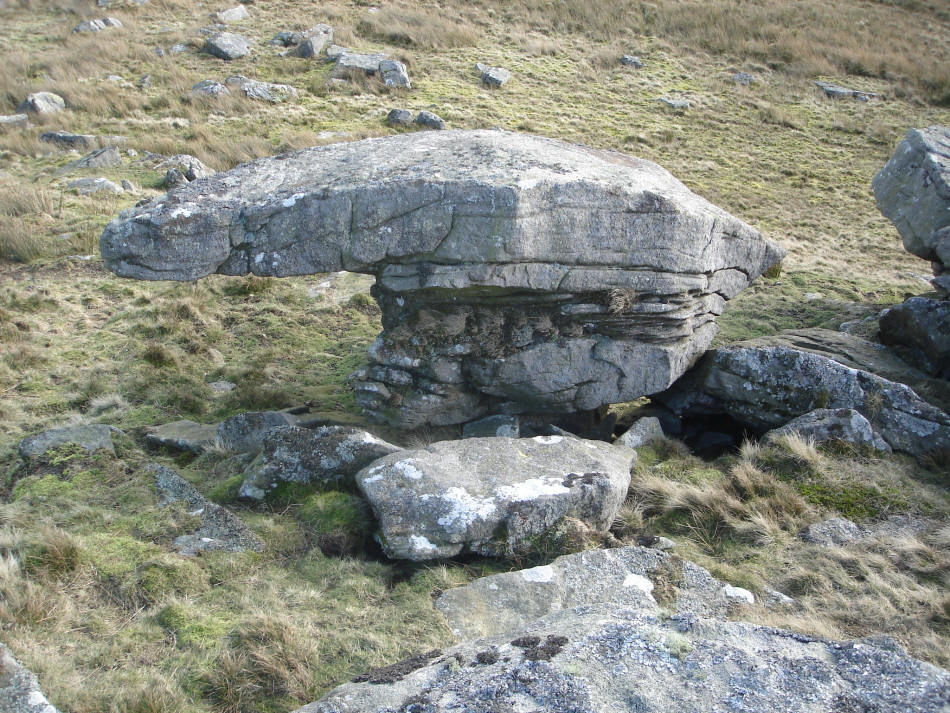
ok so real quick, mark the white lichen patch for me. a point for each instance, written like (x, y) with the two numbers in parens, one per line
(532, 489)
(544, 573)
(548, 440)
(640, 582)
(420, 544)
(463, 509)
(406, 469)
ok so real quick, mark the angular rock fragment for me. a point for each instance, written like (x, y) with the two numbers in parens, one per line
(227, 45)
(42, 103)
(641, 432)
(310, 43)
(210, 88)
(494, 77)
(430, 120)
(492, 496)
(824, 424)
(515, 273)
(184, 435)
(262, 91)
(234, 14)
(100, 158)
(500, 426)
(14, 120)
(629, 60)
(191, 168)
(835, 531)
(834, 91)
(91, 438)
(65, 140)
(399, 117)
(19, 690)
(394, 74)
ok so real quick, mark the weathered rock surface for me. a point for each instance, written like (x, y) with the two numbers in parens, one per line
(234, 14)
(430, 120)
(301, 455)
(499, 425)
(107, 157)
(825, 424)
(514, 272)
(835, 91)
(629, 60)
(641, 432)
(399, 117)
(492, 495)
(220, 530)
(913, 190)
(675, 103)
(227, 45)
(768, 382)
(91, 438)
(601, 658)
(244, 433)
(635, 577)
(309, 43)
(394, 74)
(90, 186)
(494, 77)
(835, 531)
(189, 167)
(184, 435)
(42, 103)
(14, 120)
(97, 25)
(210, 88)
(66, 140)
(262, 91)
(19, 690)
(920, 330)
(347, 61)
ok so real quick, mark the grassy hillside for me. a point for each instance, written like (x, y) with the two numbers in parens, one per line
(91, 597)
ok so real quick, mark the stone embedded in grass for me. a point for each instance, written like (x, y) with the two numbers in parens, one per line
(209, 88)
(234, 14)
(19, 690)
(97, 25)
(429, 120)
(42, 103)
(90, 438)
(14, 120)
(675, 103)
(629, 60)
(107, 157)
(493, 77)
(834, 91)
(91, 186)
(66, 140)
(227, 46)
(821, 425)
(311, 43)
(399, 117)
(354, 61)
(328, 454)
(492, 496)
(394, 74)
(244, 433)
(262, 91)
(743, 78)
(189, 167)
(833, 532)
(184, 435)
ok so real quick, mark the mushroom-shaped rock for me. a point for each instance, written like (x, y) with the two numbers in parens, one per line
(514, 272)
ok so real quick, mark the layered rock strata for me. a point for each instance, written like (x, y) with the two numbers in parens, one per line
(514, 273)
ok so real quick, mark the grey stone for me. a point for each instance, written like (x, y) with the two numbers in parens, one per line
(185, 435)
(629, 60)
(743, 78)
(65, 140)
(178, 48)
(42, 103)
(219, 529)
(234, 14)
(777, 599)
(245, 432)
(833, 532)
(107, 157)
(187, 166)
(334, 51)
(174, 179)
(514, 273)
(349, 61)
(287, 38)
(920, 329)
(430, 120)
(601, 657)
(97, 25)
(641, 432)
(633, 577)
(835, 91)
(913, 190)
(825, 424)
(499, 425)
(90, 186)
(262, 91)
(129, 187)
(298, 455)
(91, 438)
(399, 117)
(768, 382)
(394, 74)
(19, 690)
(492, 495)
(314, 41)
(675, 103)
(14, 120)
(227, 46)
(209, 88)
(494, 77)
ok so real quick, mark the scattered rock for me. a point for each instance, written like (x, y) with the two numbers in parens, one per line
(91, 438)
(42, 103)
(65, 140)
(245, 432)
(299, 455)
(394, 74)
(312, 42)
(399, 117)
(209, 88)
(500, 426)
(185, 435)
(19, 690)
(97, 25)
(632, 660)
(743, 78)
(492, 496)
(347, 61)
(222, 387)
(262, 91)
(641, 432)
(14, 120)
(90, 186)
(824, 424)
(220, 530)
(629, 60)
(107, 157)
(833, 532)
(235, 14)
(493, 77)
(678, 104)
(227, 46)
(835, 91)
(182, 166)
(430, 120)
(178, 48)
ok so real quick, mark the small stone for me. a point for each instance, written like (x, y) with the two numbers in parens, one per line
(184, 435)
(429, 120)
(178, 48)
(738, 595)
(399, 117)
(245, 432)
(262, 91)
(835, 91)
(835, 531)
(394, 74)
(222, 387)
(821, 425)
(312, 42)
(743, 78)
(90, 438)
(96, 25)
(11, 120)
(494, 77)
(775, 598)
(209, 88)
(65, 140)
(629, 60)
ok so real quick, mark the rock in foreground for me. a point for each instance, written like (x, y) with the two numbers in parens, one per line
(602, 658)
(19, 690)
(492, 496)
(514, 272)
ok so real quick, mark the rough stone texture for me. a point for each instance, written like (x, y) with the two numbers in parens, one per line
(492, 496)
(348, 61)
(835, 531)
(227, 45)
(920, 330)
(743, 78)
(430, 120)
(301, 455)
(312, 42)
(494, 77)
(91, 438)
(183, 435)
(394, 74)
(913, 190)
(399, 117)
(65, 140)
(262, 91)
(675, 103)
(499, 425)
(629, 60)
(825, 424)
(19, 690)
(97, 25)
(42, 103)
(190, 167)
(219, 530)
(234, 14)
(107, 157)
(514, 272)
(245, 432)
(835, 91)
(14, 120)
(768, 382)
(90, 186)
(632, 577)
(210, 88)
(601, 658)
(641, 432)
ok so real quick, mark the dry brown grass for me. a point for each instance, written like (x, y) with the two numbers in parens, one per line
(419, 29)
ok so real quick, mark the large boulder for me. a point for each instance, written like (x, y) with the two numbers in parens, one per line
(515, 273)
(492, 496)
(920, 329)
(19, 690)
(766, 383)
(913, 190)
(604, 657)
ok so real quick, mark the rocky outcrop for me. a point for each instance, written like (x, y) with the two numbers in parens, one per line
(492, 496)
(913, 190)
(634, 577)
(602, 657)
(514, 273)
(19, 690)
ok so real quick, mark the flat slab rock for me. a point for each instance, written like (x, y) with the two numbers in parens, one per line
(509, 268)
(635, 577)
(184, 435)
(492, 495)
(19, 690)
(601, 658)
(91, 438)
